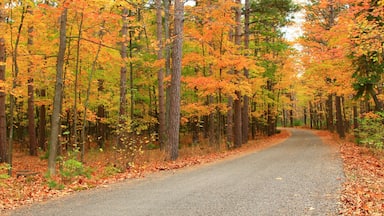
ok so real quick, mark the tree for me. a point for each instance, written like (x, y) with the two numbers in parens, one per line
(175, 87)
(31, 100)
(57, 101)
(245, 111)
(237, 126)
(160, 75)
(3, 127)
(368, 51)
(123, 75)
(327, 62)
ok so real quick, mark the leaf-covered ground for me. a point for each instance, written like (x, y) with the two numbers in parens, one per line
(363, 189)
(19, 191)
(362, 194)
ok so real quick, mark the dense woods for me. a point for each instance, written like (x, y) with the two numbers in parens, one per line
(85, 81)
(128, 76)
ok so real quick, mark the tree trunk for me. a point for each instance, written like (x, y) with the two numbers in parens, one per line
(57, 101)
(160, 76)
(42, 123)
(123, 76)
(174, 111)
(131, 86)
(330, 113)
(229, 128)
(305, 116)
(167, 37)
(245, 115)
(31, 103)
(339, 118)
(212, 126)
(355, 117)
(3, 126)
(237, 132)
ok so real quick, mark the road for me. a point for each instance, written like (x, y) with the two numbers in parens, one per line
(301, 176)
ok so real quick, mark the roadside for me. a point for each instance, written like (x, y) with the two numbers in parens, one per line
(300, 176)
(363, 189)
(20, 191)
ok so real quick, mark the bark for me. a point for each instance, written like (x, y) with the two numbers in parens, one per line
(237, 131)
(42, 123)
(339, 118)
(167, 35)
(212, 126)
(174, 117)
(305, 116)
(230, 122)
(160, 76)
(57, 101)
(245, 113)
(31, 103)
(330, 113)
(311, 114)
(131, 86)
(355, 117)
(123, 75)
(378, 103)
(3, 127)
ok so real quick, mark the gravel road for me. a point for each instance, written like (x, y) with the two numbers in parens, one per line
(301, 176)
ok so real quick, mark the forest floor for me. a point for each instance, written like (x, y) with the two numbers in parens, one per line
(362, 194)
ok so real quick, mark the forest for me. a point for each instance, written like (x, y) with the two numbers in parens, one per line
(79, 76)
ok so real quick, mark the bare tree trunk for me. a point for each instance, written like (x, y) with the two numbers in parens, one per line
(229, 129)
(330, 113)
(31, 103)
(167, 35)
(57, 101)
(339, 118)
(160, 76)
(131, 86)
(123, 75)
(355, 117)
(245, 115)
(3, 126)
(237, 131)
(174, 111)
(42, 122)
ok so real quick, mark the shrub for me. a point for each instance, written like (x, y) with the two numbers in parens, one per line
(72, 168)
(371, 130)
(4, 168)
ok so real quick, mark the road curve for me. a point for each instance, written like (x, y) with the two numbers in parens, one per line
(301, 176)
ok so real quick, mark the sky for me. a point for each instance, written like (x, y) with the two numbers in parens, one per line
(294, 31)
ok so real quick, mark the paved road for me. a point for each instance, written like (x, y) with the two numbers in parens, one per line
(301, 176)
